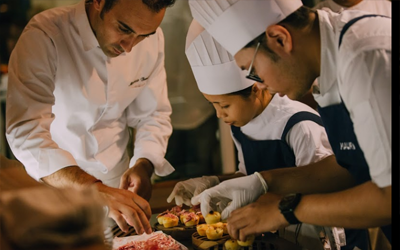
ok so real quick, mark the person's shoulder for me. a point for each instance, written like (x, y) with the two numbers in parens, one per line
(381, 7)
(328, 5)
(50, 20)
(288, 107)
(363, 31)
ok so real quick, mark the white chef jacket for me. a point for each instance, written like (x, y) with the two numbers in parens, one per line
(69, 104)
(383, 7)
(269, 125)
(360, 74)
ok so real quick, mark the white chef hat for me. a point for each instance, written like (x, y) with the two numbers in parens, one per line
(235, 23)
(214, 69)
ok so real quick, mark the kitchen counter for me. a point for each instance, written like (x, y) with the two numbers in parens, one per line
(158, 203)
(161, 191)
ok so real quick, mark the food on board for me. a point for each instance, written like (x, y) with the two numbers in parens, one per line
(201, 229)
(214, 233)
(188, 218)
(249, 241)
(213, 217)
(231, 244)
(168, 219)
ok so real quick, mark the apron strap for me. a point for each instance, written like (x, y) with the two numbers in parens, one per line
(352, 21)
(298, 117)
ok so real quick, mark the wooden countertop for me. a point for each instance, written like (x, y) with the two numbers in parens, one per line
(161, 191)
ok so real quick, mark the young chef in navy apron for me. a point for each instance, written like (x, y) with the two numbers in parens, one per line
(269, 131)
(354, 96)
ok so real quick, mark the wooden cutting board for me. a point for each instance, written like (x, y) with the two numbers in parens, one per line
(179, 232)
(202, 243)
(268, 241)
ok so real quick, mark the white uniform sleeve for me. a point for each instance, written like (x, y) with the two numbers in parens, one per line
(368, 97)
(150, 114)
(309, 142)
(29, 105)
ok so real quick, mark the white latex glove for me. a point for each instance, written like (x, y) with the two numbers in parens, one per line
(231, 194)
(185, 190)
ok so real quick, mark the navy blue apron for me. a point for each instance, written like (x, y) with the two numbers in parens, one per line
(271, 154)
(340, 130)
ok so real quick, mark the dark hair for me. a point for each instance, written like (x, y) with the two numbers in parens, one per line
(298, 19)
(154, 5)
(245, 93)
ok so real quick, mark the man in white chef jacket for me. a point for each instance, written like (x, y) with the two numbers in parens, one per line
(352, 60)
(79, 77)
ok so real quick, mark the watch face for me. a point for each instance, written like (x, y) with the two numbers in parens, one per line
(288, 201)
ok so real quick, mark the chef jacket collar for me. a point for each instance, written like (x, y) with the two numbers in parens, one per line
(89, 40)
(266, 117)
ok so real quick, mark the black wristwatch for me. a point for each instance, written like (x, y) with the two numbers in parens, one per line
(287, 206)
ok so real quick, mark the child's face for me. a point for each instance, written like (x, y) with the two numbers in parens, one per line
(236, 110)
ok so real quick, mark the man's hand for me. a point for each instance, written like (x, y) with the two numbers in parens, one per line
(256, 218)
(137, 178)
(126, 208)
(231, 194)
(185, 190)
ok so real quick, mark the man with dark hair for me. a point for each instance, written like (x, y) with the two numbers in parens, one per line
(349, 53)
(79, 77)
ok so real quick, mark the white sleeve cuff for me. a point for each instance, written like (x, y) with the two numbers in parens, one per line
(161, 167)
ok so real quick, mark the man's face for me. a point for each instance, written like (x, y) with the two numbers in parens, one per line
(284, 76)
(126, 24)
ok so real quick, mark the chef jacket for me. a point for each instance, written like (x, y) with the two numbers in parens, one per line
(350, 76)
(269, 125)
(69, 104)
(383, 7)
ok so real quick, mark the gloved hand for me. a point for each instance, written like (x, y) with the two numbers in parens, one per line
(185, 190)
(231, 194)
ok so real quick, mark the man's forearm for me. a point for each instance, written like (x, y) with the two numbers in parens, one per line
(363, 206)
(230, 176)
(146, 165)
(320, 177)
(72, 176)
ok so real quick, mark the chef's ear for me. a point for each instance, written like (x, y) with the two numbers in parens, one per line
(98, 4)
(258, 88)
(255, 88)
(279, 39)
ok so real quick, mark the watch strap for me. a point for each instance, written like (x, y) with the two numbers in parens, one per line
(287, 210)
(290, 217)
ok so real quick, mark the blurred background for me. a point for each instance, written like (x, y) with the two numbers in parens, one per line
(200, 144)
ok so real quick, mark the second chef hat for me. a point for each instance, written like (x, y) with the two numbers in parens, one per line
(235, 23)
(214, 69)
